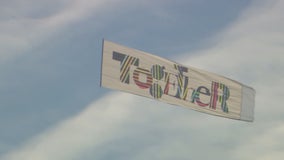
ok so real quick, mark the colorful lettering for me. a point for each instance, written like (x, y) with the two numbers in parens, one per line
(161, 82)
(137, 78)
(125, 63)
(215, 97)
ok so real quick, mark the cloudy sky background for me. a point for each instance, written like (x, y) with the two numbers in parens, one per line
(51, 105)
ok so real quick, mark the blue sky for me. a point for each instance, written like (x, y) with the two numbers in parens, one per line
(52, 107)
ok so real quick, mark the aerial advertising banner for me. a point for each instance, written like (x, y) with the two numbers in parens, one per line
(147, 75)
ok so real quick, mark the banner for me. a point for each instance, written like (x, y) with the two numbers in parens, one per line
(154, 77)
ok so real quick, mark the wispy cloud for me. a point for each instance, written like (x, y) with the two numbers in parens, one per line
(264, 145)
(31, 22)
(95, 126)
(251, 51)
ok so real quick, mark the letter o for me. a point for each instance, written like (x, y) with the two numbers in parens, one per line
(137, 80)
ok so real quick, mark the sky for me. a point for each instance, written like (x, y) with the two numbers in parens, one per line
(52, 105)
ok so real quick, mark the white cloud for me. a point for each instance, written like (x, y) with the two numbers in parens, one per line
(251, 51)
(264, 145)
(96, 125)
(23, 28)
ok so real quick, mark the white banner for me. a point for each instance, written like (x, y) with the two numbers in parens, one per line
(151, 76)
